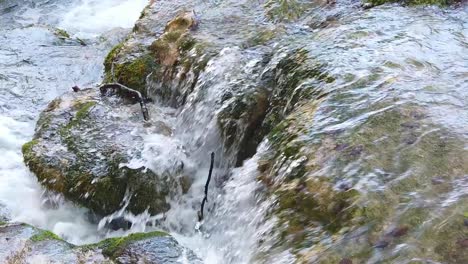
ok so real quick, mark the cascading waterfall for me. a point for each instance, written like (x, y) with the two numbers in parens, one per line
(36, 69)
(388, 59)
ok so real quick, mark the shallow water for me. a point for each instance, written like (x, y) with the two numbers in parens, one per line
(385, 60)
(35, 67)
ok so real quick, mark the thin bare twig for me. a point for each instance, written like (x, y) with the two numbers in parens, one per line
(124, 89)
(205, 199)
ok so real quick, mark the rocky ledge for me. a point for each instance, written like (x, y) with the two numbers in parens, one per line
(22, 243)
(84, 147)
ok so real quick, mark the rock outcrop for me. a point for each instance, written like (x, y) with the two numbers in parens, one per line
(84, 146)
(365, 184)
(22, 243)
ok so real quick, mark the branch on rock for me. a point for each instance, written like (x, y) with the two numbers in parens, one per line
(205, 199)
(124, 91)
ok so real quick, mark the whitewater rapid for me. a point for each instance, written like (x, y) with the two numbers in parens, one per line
(34, 71)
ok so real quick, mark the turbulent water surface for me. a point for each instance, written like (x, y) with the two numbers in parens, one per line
(37, 66)
(383, 59)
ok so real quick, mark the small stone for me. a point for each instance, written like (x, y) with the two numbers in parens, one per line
(381, 244)
(417, 115)
(410, 140)
(463, 242)
(367, 5)
(346, 261)
(345, 186)
(356, 150)
(263, 165)
(410, 125)
(437, 181)
(76, 89)
(399, 231)
(119, 223)
(341, 147)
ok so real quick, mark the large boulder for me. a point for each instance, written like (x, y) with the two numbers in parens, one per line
(90, 147)
(171, 61)
(152, 247)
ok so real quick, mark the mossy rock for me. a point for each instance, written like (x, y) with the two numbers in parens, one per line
(248, 117)
(61, 33)
(113, 247)
(133, 73)
(80, 149)
(44, 235)
(181, 58)
(23, 243)
(324, 218)
(285, 10)
(263, 36)
(309, 208)
(151, 247)
(174, 58)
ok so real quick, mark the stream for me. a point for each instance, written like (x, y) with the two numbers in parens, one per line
(389, 58)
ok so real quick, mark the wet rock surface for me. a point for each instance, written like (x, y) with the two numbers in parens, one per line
(22, 243)
(84, 145)
(357, 169)
(162, 250)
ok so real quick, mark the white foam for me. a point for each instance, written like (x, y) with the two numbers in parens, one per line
(21, 195)
(90, 18)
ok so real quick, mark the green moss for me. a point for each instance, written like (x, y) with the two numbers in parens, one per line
(111, 57)
(261, 37)
(112, 247)
(307, 207)
(28, 147)
(44, 235)
(251, 116)
(81, 113)
(133, 73)
(65, 131)
(84, 109)
(62, 33)
(284, 10)
(317, 204)
(82, 42)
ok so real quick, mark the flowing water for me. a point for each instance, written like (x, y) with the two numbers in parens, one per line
(37, 66)
(383, 59)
